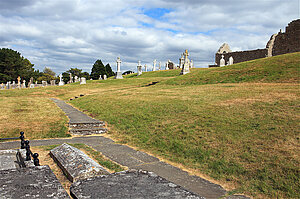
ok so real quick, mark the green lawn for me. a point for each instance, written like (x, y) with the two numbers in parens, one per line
(237, 124)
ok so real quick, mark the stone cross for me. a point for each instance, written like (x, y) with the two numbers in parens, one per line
(139, 68)
(71, 78)
(24, 83)
(119, 73)
(19, 81)
(154, 65)
(186, 64)
(222, 61)
(61, 83)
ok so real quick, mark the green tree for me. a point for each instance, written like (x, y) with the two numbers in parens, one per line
(48, 71)
(86, 75)
(98, 69)
(75, 72)
(66, 77)
(12, 65)
(109, 71)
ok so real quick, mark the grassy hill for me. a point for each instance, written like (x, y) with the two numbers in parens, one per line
(282, 68)
(244, 134)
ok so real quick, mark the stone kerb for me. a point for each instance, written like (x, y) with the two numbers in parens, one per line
(76, 164)
(129, 184)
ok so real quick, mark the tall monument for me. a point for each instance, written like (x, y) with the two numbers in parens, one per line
(119, 73)
(186, 64)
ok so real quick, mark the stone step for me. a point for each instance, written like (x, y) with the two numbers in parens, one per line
(86, 125)
(88, 131)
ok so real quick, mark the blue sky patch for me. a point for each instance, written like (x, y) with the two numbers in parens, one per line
(156, 13)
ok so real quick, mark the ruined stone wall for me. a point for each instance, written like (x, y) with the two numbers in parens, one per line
(289, 41)
(241, 56)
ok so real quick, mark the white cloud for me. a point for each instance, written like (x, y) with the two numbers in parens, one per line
(65, 33)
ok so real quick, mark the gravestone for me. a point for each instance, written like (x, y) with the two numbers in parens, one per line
(119, 73)
(76, 79)
(154, 65)
(61, 83)
(167, 66)
(139, 68)
(52, 82)
(230, 62)
(181, 61)
(145, 67)
(129, 184)
(191, 64)
(186, 64)
(24, 84)
(159, 66)
(33, 182)
(100, 78)
(44, 83)
(71, 78)
(104, 77)
(19, 81)
(30, 82)
(2, 86)
(222, 61)
(83, 80)
(13, 86)
(75, 164)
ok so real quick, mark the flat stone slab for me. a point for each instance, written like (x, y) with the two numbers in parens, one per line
(33, 182)
(14, 158)
(129, 184)
(76, 164)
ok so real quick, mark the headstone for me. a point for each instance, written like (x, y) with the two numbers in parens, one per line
(230, 62)
(159, 66)
(181, 61)
(75, 164)
(104, 77)
(24, 84)
(191, 64)
(186, 64)
(76, 78)
(100, 78)
(167, 65)
(32, 182)
(145, 67)
(13, 86)
(129, 184)
(119, 73)
(30, 82)
(8, 85)
(83, 80)
(71, 78)
(19, 81)
(222, 61)
(154, 65)
(61, 83)
(44, 83)
(52, 82)
(2, 86)
(139, 68)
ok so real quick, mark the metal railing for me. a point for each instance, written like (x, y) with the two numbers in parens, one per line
(25, 145)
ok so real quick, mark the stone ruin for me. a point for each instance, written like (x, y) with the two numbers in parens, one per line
(280, 43)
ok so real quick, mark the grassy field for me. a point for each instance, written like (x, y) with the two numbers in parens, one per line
(238, 124)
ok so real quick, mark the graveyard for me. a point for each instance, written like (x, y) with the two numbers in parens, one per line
(236, 126)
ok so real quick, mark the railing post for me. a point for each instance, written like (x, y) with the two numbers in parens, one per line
(36, 161)
(28, 152)
(22, 137)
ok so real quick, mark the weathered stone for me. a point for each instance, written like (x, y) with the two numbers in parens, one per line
(119, 73)
(61, 83)
(76, 164)
(129, 184)
(33, 182)
(83, 80)
(186, 64)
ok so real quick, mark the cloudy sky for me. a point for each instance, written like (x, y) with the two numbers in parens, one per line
(75, 33)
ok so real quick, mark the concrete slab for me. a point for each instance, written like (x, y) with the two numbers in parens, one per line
(33, 182)
(129, 184)
(76, 164)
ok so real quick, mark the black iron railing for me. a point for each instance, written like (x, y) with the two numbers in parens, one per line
(25, 145)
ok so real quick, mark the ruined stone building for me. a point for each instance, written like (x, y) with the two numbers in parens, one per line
(280, 43)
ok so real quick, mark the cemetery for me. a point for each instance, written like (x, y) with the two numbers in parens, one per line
(167, 131)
